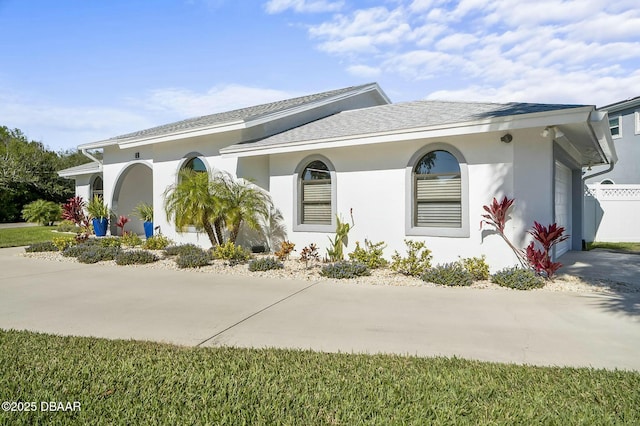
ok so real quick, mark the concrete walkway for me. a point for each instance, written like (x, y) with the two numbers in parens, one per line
(193, 308)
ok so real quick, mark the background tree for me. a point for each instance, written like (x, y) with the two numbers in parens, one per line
(28, 172)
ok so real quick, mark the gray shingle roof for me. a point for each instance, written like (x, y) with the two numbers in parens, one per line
(83, 169)
(396, 117)
(243, 114)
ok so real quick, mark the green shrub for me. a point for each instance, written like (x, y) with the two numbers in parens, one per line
(181, 249)
(41, 247)
(517, 278)
(42, 212)
(193, 259)
(345, 269)
(265, 264)
(109, 242)
(97, 253)
(62, 243)
(451, 274)
(371, 255)
(156, 242)
(231, 252)
(130, 239)
(417, 262)
(477, 267)
(135, 257)
(67, 226)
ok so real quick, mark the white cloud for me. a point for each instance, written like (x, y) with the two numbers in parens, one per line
(364, 31)
(364, 71)
(186, 103)
(550, 50)
(303, 6)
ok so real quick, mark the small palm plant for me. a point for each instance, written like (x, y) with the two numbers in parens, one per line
(241, 202)
(42, 212)
(191, 202)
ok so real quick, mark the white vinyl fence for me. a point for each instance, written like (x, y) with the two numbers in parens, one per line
(612, 213)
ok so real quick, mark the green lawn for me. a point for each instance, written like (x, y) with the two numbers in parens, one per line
(623, 247)
(15, 237)
(128, 382)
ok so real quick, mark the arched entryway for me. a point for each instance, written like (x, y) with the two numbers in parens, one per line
(133, 186)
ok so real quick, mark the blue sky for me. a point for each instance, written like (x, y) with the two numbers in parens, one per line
(77, 71)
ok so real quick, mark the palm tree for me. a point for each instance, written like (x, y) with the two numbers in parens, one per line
(241, 202)
(192, 202)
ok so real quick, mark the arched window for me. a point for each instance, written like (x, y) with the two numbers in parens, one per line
(437, 186)
(195, 164)
(97, 188)
(316, 194)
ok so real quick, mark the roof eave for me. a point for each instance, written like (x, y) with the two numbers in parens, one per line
(511, 122)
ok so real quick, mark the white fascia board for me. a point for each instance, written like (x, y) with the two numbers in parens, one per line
(169, 137)
(62, 173)
(498, 124)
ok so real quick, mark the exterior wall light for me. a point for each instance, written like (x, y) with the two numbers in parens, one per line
(506, 138)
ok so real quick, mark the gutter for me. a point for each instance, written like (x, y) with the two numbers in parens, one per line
(607, 170)
(600, 118)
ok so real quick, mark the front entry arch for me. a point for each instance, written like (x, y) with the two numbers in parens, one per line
(133, 186)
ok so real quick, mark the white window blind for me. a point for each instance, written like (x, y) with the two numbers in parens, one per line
(316, 202)
(438, 201)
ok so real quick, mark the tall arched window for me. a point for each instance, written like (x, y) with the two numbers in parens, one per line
(437, 183)
(195, 164)
(97, 188)
(316, 194)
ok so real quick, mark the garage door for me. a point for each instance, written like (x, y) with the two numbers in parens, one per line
(563, 205)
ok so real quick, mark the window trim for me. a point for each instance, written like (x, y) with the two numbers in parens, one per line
(298, 226)
(619, 126)
(92, 189)
(186, 158)
(410, 191)
(636, 117)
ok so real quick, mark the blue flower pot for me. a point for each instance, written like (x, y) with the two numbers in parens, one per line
(148, 229)
(100, 226)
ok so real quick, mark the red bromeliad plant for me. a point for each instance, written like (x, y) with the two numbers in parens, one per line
(547, 237)
(73, 210)
(122, 221)
(497, 216)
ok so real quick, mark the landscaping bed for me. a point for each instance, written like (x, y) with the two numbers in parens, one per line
(297, 270)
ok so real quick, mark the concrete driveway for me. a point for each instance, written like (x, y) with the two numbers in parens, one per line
(193, 308)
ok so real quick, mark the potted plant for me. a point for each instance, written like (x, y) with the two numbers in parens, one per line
(99, 213)
(145, 212)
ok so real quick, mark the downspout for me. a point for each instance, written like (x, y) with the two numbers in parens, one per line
(613, 158)
(89, 156)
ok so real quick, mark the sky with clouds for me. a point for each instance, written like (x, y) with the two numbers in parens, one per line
(76, 71)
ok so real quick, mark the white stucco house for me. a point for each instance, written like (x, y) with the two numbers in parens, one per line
(612, 200)
(417, 170)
